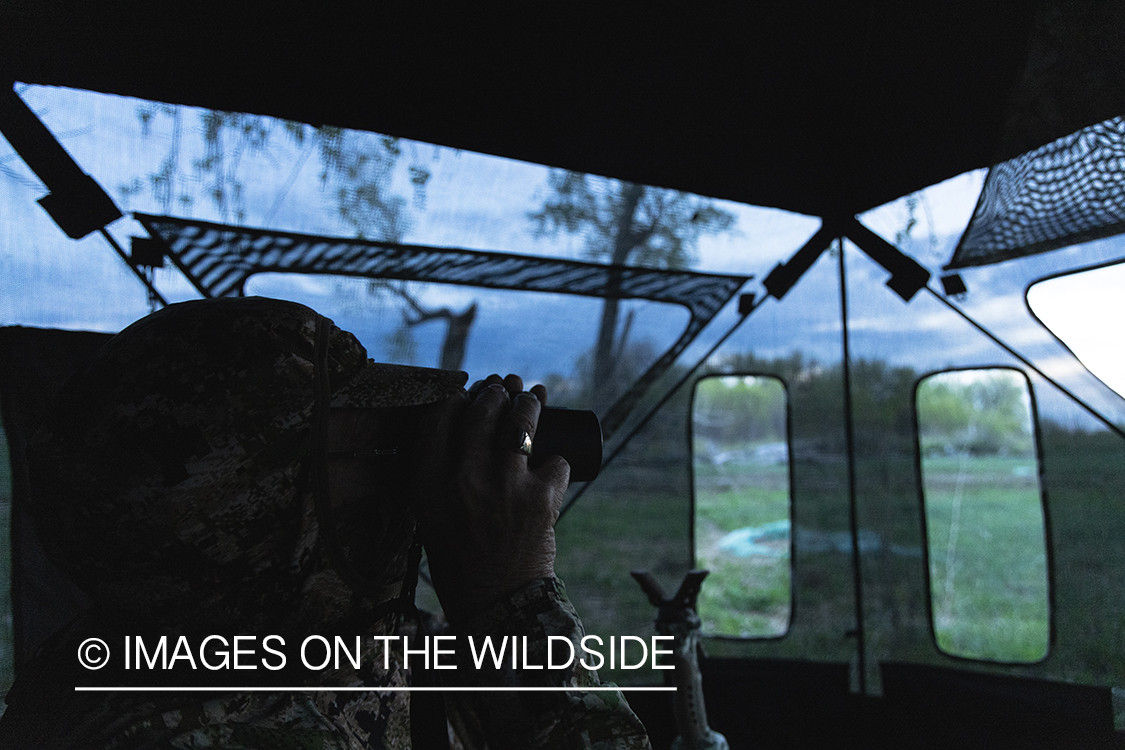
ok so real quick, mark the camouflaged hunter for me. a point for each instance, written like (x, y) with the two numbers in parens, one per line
(176, 482)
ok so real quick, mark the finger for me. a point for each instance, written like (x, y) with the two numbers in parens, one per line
(554, 471)
(480, 385)
(540, 392)
(514, 384)
(480, 425)
(520, 420)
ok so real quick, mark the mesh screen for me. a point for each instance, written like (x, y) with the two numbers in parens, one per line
(1069, 191)
(218, 259)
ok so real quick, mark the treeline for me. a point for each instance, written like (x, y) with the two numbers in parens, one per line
(983, 416)
(982, 412)
(731, 410)
(979, 412)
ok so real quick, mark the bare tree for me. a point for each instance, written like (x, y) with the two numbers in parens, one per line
(356, 170)
(626, 224)
(456, 330)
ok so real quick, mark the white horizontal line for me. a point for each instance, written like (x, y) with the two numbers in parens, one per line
(353, 689)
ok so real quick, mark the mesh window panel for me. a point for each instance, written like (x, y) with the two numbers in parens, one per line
(1069, 191)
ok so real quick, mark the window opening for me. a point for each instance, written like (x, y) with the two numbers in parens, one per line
(1080, 309)
(985, 524)
(400, 322)
(741, 511)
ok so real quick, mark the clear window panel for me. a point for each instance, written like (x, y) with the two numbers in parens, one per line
(741, 525)
(983, 506)
(543, 337)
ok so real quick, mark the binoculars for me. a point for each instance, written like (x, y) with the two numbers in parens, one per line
(574, 434)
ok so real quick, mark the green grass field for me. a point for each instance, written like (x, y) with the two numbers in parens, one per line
(745, 596)
(987, 551)
(608, 535)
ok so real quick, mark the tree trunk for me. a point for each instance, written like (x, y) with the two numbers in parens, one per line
(457, 326)
(603, 386)
(456, 337)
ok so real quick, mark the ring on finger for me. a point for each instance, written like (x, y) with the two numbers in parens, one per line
(522, 444)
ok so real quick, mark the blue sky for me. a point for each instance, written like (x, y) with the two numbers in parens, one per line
(482, 202)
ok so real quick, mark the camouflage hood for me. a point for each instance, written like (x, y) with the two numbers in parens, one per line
(173, 479)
